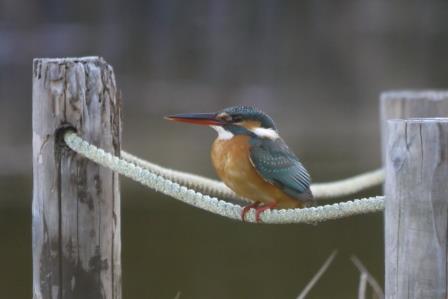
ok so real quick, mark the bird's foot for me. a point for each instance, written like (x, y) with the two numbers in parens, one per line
(246, 209)
(263, 208)
(259, 208)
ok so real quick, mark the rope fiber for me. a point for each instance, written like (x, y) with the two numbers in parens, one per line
(183, 186)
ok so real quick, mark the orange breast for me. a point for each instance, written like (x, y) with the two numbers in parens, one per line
(231, 161)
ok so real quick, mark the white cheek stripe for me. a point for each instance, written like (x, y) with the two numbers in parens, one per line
(263, 132)
(223, 134)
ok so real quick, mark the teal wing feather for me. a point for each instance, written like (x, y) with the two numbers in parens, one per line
(277, 164)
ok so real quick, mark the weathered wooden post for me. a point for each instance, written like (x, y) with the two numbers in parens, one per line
(416, 209)
(415, 156)
(76, 203)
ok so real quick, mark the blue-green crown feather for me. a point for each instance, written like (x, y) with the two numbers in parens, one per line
(251, 113)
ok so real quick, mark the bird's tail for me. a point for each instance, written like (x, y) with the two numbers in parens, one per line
(308, 198)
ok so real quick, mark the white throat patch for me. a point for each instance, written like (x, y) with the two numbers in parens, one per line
(223, 134)
(263, 132)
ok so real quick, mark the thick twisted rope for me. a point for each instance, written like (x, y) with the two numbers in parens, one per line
(137, 171)
(215, 188)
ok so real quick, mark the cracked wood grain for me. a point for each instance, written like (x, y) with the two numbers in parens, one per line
(76, 203)
(416, 208)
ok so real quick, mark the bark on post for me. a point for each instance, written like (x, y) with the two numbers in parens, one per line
(416, 209)
(76, 203)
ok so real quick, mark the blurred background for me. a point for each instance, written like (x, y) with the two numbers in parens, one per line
(317, 67)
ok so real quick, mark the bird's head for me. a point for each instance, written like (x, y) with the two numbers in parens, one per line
(236, 120)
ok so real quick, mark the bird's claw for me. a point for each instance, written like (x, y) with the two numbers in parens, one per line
(258, 210)
(247, 208)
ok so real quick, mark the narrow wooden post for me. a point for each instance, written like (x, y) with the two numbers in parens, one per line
(76, 203)
(416, 209)
(402, 105)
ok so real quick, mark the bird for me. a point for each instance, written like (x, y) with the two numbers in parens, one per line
(251, 158)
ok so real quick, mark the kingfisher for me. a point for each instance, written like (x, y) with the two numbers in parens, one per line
(251, 158)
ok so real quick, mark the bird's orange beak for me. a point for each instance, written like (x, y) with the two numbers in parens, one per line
(206, 119)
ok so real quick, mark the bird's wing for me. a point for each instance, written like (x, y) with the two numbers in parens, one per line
(278, 165)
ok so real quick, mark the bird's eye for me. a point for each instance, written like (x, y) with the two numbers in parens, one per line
(224, 117)
(237, 118)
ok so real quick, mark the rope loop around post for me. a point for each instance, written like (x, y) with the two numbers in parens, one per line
(138, 170)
